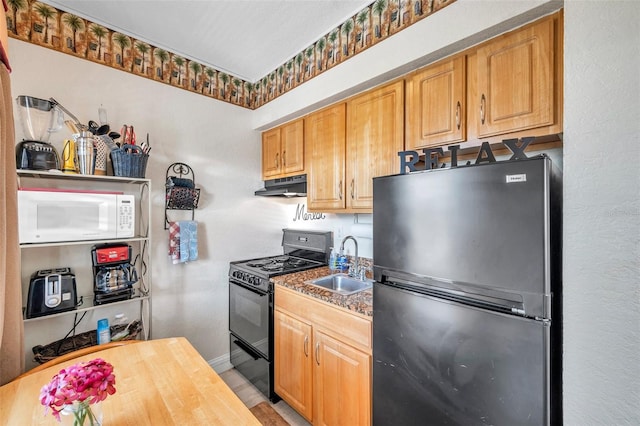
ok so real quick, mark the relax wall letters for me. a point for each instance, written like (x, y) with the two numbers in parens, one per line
(409, 159)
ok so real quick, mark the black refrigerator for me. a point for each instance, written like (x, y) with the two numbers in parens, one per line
(467, 298)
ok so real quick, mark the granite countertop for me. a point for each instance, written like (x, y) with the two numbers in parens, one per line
(361, 303)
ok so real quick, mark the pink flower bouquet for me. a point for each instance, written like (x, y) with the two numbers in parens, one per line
(81, 384)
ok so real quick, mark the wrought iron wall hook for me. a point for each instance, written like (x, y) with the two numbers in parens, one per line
(181, 193)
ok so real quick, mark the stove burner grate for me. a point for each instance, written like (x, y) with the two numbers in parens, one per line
(274, 266)
(259, 263)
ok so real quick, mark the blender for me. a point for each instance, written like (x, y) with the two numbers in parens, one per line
(37, 117)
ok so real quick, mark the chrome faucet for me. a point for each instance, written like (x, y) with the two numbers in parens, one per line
(356, 270)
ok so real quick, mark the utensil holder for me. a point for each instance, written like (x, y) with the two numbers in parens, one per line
(129, 161)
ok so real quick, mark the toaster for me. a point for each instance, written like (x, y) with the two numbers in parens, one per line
(36, 155)
(51, 291)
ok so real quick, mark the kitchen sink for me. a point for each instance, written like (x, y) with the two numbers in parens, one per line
(341, 284)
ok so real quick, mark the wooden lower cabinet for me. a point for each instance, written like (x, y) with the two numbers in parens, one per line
(293, 368)
(322, 360)
(342, 383)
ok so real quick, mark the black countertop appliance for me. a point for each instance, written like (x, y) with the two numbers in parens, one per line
(51, 291)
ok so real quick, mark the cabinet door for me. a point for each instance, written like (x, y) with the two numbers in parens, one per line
(342, 383)
(292, 145)
(516, 81)
(271, 153)
(293, 363)
(375, 135)
(325, 139)
(435, 113)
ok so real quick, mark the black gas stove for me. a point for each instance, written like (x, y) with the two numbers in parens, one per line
(257, 272)
(251, 302)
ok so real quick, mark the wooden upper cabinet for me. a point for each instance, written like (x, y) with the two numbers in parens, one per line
(271, 153)
(292, 145)
(516, 80)
(283, 150)
(436, 105)
(325, 137)
(375, 135)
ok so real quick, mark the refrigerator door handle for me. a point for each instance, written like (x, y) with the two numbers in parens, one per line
(483, 301)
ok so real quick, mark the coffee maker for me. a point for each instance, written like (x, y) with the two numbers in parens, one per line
(114, 275)
(37, 117)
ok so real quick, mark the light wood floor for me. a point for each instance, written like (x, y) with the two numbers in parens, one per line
(252, 396)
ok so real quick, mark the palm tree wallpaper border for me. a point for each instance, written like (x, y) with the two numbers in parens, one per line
(38, 23)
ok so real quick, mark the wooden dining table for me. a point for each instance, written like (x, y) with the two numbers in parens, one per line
(158, 382)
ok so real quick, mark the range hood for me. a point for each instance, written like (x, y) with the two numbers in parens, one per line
(292, 186)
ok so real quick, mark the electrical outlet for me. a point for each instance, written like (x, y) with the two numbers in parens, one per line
(339, 236)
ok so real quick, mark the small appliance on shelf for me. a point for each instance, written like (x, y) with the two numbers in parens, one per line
(37, 117)
(114, 275)
(51, 291)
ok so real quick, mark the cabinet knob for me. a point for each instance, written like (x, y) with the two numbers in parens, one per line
(284, 158)
(352, 189)
(306, 349)
(340, 189)
(318, 353)
(277, 158)
(483, 102)
(458, 115)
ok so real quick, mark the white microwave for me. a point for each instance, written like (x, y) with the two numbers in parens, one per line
(49, 215)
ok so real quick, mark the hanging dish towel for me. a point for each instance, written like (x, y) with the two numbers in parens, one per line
(188, 240)
(174, 242)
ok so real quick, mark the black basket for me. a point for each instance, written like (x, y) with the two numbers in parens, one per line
(182, 198)
(129, 161)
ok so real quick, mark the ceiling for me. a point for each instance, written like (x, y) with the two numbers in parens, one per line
(245, 38)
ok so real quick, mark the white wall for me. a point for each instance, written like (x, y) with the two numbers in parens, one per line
(602, 196)
(602, 213)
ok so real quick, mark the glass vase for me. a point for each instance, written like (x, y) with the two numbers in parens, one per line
(81, 413)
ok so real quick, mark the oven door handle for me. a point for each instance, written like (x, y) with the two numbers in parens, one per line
(247, 349)
(251, 289)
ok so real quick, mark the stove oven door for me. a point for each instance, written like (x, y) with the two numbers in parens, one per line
(250, 316)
